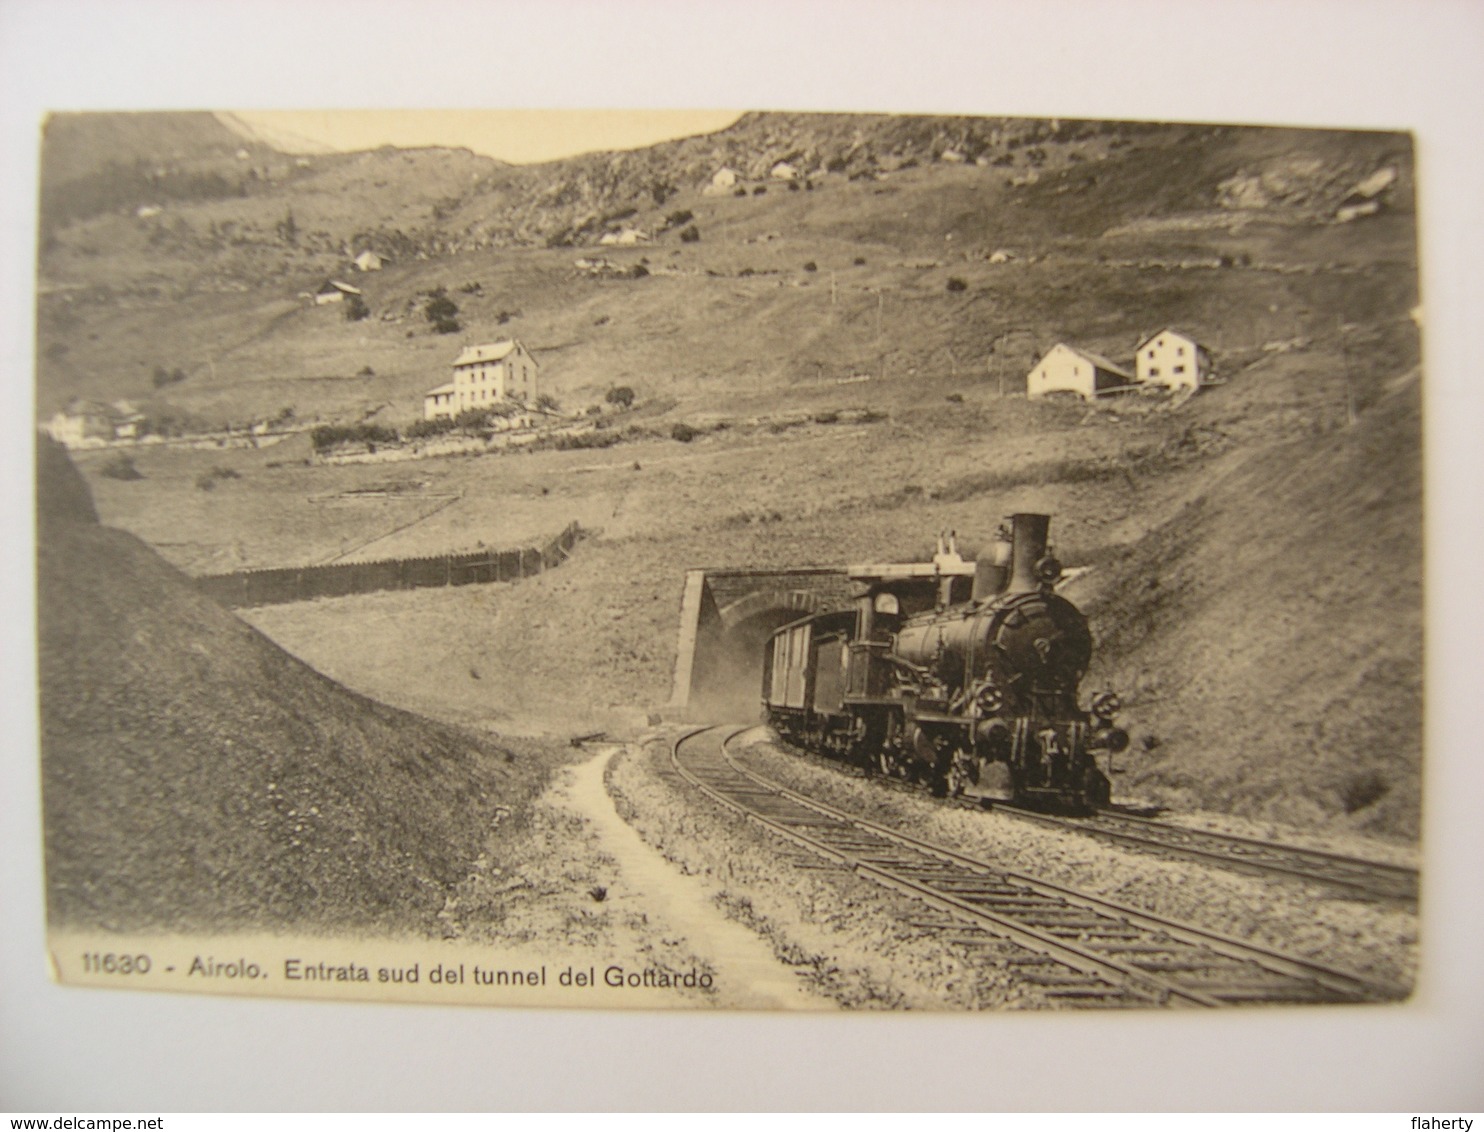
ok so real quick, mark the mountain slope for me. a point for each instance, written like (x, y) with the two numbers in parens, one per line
(1268, 639)
(197, 777)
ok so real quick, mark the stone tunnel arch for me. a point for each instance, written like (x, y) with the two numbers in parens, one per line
(726, 619)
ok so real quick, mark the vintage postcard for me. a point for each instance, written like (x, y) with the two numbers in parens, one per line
(775, 560)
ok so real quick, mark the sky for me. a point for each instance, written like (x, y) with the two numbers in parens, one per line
(518, 136)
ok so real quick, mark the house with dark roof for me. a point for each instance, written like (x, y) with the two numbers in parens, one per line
(1067, 369)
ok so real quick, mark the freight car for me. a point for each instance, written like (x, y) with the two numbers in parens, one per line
(964, 676)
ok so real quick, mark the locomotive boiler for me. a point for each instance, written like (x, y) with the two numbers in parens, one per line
(961, 675)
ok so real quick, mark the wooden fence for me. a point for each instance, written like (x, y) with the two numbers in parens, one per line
(276, 586)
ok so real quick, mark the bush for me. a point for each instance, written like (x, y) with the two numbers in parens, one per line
(440, 309)
(760, 190)
(356, 309)
(1363, 788)
(447, 326)
(690, 234)
(620, 395)
(473, 419)
(679, 216)
(419, 430)
(164, 377)
(811, 266)
(957, 284)
(120, 466)
(366, 371)
(206, 481)
(325, 437)
(682, 432)
(638, 271)
(859, 261)
(548, 402)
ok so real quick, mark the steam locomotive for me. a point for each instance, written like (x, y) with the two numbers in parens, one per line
(960, 675)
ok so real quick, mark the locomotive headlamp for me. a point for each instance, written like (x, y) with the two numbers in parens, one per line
(1105, 705)
(1048, 570)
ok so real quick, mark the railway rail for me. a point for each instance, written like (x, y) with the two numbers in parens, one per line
(1356, 877)
(1373, 880)
(1079, 948)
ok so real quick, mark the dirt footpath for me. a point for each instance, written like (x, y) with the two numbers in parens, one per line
(748, 975)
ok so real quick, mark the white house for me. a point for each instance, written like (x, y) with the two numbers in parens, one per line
(624, 238)
(1172, 359)
(87, 424)
(484, 376)
(368, 261)
(1066, 369)
(333, 291)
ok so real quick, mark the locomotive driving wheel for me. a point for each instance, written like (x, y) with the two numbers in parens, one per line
(959, 774)
(888, 757)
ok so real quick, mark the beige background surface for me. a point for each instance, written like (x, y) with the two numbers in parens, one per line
(1309, 62)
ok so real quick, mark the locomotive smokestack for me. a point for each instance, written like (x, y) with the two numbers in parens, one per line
(1027, 548)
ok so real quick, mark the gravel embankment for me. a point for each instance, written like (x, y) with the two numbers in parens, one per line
(1377, 941)
(849, 939)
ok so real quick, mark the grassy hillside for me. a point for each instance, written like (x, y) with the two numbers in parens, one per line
(1269, 636)
(845, 269)
(197, 778)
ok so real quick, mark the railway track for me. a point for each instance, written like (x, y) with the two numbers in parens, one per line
(1354, 876)
(1079, 948)
(1372, 880)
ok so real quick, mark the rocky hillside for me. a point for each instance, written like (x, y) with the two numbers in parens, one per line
(196, 777)
(845, 245)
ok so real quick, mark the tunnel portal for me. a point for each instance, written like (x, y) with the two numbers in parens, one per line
(726, 617)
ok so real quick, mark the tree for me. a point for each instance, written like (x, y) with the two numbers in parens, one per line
(288, 229)
(440, 306)
(442, 312)
(690, 234)
(548, 402)
(620, 395)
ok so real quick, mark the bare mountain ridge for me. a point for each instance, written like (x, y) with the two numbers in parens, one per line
(576, 200)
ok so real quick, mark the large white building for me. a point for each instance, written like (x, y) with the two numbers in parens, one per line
(1172, 359)
(1066, 369)
(484, 376)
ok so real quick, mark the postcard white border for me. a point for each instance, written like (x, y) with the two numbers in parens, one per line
(1386, 63)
